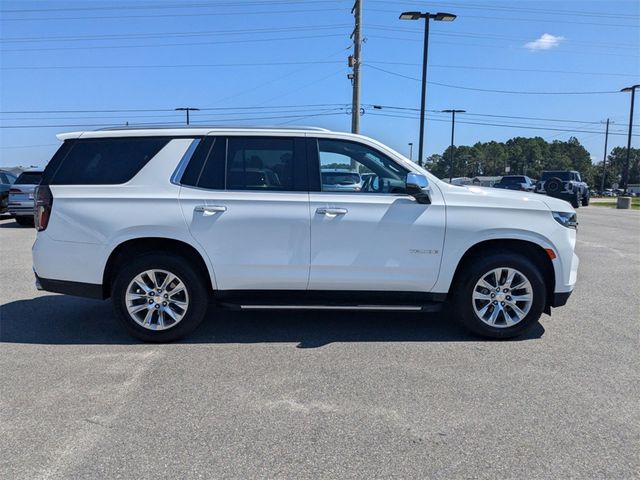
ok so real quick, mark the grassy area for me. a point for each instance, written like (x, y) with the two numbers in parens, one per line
(612, 202)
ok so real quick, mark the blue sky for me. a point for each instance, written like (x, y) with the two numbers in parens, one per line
(284, 62)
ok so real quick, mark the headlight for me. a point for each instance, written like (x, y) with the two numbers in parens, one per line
(569, 220)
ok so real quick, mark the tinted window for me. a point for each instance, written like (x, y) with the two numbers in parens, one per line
(512, 180)
(3, 178)
(29, 178)
(196, 163)
(376, 172)
(109, 161)
(260, 163)
(212, 175)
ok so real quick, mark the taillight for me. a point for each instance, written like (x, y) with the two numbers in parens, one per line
(44, 202)
(15, 190)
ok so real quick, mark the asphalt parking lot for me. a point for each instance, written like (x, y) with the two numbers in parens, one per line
(317, 395)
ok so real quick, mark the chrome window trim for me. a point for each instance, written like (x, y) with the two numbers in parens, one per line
(176, 177)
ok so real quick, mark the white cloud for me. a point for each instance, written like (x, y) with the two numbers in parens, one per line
(545, 42)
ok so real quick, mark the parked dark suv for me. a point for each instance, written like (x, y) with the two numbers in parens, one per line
(564, 184)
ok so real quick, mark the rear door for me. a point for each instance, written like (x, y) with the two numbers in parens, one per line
(375, 238)
(246, 202)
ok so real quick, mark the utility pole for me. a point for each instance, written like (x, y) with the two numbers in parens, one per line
(453, 126)
(625, 177)
(604, 157)
(354, 62)
(187, 109)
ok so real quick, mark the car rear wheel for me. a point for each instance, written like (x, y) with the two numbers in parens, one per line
(586, 199)
(501, 295)
(159, 298)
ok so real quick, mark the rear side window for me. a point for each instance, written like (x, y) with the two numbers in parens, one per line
(260, 163)
(107, 161)
(29, 178)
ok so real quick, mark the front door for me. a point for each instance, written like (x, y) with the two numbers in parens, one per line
(366, 233)
(248, 207)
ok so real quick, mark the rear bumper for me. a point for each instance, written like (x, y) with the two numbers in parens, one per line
(77, 289)
(20, 208)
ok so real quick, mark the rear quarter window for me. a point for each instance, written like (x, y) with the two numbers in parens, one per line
(108, 161)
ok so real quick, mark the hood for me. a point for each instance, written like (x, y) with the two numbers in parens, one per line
(498, 197)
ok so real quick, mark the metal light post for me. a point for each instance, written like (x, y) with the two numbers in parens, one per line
(440, 17)
(625, 177)
(453, 127)
(187, 109)
(604, 158)
(410, 150)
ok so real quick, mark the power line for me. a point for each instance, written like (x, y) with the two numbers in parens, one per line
(135, 36)
(512, 92)
(173, 15)
(169, 6)
(506, 69)
(554, 12)
(508, 125)
(226, 42)
(84, 125)
(126, 110)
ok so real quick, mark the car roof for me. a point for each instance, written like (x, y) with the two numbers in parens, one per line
(33, 170)
(177, 131)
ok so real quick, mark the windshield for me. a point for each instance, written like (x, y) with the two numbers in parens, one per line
(29, 178)
(340, 178)
(564, 176)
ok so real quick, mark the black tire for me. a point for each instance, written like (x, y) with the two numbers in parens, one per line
(553, 186)
(196, 287)
(25, 221)
(462, 299)
(585, 200)
(575, 200)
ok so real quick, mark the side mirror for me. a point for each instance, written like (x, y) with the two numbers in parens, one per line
(418, 187)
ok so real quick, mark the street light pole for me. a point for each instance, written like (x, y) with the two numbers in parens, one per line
(453, 126)
(604, 158)
(440, 17)
(625, 177)
(187, 109)
(410, 150)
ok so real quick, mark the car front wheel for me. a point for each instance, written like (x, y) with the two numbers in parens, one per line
(159, 298)
(501, 295)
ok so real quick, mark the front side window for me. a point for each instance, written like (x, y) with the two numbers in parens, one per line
(347, 166)
(260, 163)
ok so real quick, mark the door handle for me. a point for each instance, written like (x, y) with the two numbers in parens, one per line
(208, 210)
(331, 211)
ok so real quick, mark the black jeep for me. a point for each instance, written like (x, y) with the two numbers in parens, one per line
(564, 184)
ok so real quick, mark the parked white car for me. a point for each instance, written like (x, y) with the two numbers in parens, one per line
(160, 220)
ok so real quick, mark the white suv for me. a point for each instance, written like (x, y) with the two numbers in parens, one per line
(161, 220)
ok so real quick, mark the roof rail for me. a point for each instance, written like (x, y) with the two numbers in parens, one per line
(220, 127)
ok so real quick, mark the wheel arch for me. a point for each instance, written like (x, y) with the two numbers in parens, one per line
(141, 245)
(527, 248)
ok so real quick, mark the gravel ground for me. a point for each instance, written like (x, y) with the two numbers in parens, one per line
(315, 395)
